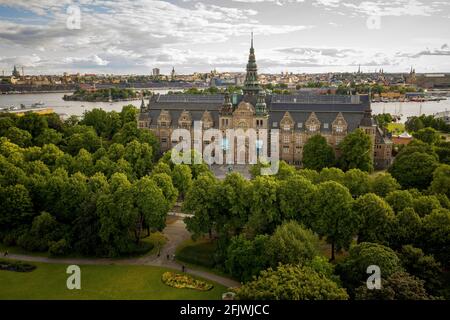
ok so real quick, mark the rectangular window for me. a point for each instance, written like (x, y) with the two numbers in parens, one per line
(325, 125)
(298, 139)
(300, 124)
(285, 149)
(286, 139)
(275, 124)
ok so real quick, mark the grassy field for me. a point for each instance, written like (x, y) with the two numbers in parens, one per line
(48, 281)
(396, 128)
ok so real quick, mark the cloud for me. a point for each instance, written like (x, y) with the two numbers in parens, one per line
(444, 50)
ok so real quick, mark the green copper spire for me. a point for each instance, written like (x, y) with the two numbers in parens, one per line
(251, 84)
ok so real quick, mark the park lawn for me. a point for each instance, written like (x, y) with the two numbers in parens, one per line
(98, 282)
(396, 128)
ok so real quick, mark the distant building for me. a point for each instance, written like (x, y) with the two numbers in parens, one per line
(297, 117)
(155, 72)
(402, 139)
(444, 115)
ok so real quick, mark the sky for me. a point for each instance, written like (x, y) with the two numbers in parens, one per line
(300, 36)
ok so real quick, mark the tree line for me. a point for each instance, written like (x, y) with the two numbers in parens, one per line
(269, 231)
(89, 186)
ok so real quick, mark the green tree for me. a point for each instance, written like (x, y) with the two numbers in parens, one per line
(289, 282)
(333, 216)
(383, 183)
(292, 243)
(356, 151)
(357, 182)
(150, 206)
(49, 136)
(294, 198)
(33, 123)
(353, 270)
(435, 236)
(398, 286)
(376, 218)
(400, 200)
(182, 178)
(17, 208)
(140, 156)
(317, 154)
(406, 229)
(414, 170)
(264, 211)
(331, 174)
(117, 215)
(427, 135)
(201, 201)
(414, 124)
(164, 182)
(18, 136)
(441, 180)
(423, 267)
(245, 257)
(424, 205)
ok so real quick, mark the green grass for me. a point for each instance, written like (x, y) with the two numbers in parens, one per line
(48, 281)
(396, 128)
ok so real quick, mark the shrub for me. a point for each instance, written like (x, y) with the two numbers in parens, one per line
(58, 248)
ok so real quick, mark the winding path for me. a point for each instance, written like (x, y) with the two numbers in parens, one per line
(175, 234)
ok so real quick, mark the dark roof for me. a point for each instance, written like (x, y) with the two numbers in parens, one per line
(299, 106)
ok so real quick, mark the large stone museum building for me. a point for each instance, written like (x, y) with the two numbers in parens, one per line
(296, 116)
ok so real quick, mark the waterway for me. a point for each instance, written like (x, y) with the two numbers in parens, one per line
(68, 108)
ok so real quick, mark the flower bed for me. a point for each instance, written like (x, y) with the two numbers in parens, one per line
(181, 281)
(16, 266)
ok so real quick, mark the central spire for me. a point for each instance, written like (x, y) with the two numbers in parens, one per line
(251, 84)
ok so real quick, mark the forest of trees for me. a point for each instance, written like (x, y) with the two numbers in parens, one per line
(269, 231)
(88, 187)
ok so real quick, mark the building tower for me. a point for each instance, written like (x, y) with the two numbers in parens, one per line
(261, 107)
(251, 83)
(172, 74)
(15, 73)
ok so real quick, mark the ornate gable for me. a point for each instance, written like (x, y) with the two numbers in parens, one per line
(164, 118)
(339, 124)
(207, 120)
(287, 123)
(312, 124)
(185, 119)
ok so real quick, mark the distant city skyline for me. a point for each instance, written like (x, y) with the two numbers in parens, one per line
(299, 36)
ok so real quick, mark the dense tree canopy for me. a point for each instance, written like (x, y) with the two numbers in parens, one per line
(317, 153)
(291, 282)
(356, 149)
